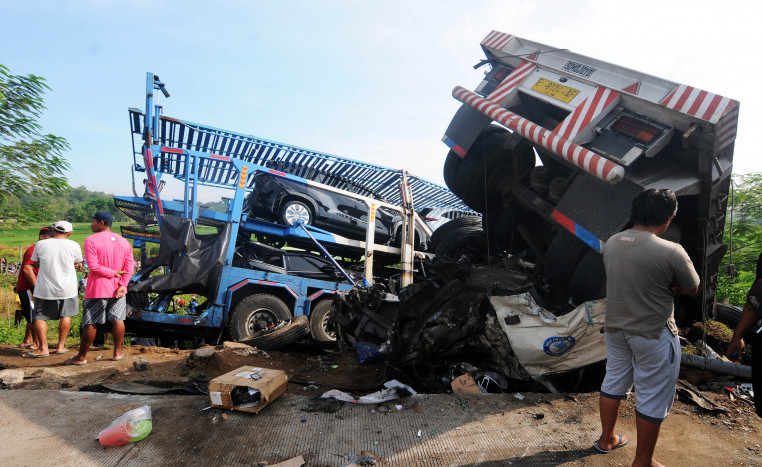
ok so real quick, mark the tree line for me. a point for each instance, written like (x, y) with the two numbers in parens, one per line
(69, 203)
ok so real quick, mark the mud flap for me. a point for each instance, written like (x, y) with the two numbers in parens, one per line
(545, 344)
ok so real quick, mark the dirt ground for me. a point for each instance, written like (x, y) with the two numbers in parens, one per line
(313, 370)
(310, 368)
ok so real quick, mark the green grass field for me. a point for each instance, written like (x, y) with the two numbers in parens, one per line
(15, 239)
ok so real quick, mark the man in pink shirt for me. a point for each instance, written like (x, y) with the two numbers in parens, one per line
(109, 258)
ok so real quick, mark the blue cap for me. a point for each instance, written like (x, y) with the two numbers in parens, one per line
(103, 216)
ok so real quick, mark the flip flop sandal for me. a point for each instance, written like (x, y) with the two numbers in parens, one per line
(622, 442)
(69, 361)
(61, 353)
(116, 359)
(31, 355)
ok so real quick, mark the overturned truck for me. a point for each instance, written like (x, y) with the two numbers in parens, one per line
(551, 148)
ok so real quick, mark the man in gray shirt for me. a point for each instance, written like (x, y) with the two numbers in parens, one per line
(643, 272)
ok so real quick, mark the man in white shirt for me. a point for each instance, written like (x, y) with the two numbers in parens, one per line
(55, 291)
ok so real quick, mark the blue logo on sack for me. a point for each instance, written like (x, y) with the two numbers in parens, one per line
(556, 346)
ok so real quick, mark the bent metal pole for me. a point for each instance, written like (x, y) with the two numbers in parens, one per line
(583, 158)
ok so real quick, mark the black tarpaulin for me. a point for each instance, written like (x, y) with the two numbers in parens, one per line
(195, 261)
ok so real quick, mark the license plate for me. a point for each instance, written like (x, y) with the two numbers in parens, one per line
(555, 90)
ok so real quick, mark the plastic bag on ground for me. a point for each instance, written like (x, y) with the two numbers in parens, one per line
(132, 426)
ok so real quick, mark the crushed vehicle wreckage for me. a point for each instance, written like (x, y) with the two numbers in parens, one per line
(518, 294)
(484, 319)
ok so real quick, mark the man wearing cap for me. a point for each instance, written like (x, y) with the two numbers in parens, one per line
(55, 291)
(109, 257)
(25, 287)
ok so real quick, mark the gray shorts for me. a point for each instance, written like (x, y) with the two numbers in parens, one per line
(653, 365)
(47, 310)
(100, 310)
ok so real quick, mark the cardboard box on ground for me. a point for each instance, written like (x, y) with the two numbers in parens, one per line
(248, 388)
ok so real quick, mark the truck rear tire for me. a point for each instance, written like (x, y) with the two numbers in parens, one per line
(470, 241)
(589, 280)
(471, 176)
(321, 326)
(501, 227)
(561, 260)
(488, 165)
(729, 315)
(450, 173)
(256, 314)
(292, 331)
(457, 223)
(453, 162)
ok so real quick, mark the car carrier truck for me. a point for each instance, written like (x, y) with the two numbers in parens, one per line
(239, 285)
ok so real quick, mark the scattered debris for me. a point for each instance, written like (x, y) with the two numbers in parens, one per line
(374, 398)
(519, 396)
(368, 458)
(379, 396)
(696, 376)
(367, 352)
(321, 404)
(465, 384)
(708, 352)
(688, 393)
(141, 364)
(99, 357)
(235, 345)
(248, 389)
(250, 351)
(339, 396)
(132, 426)
(11, 377)
(400, 387)
(203, 353)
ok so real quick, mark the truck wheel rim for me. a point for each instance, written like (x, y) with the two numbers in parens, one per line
(328, 329)
(260, 320)
(297, 212)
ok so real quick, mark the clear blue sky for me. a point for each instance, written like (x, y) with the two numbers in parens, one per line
(359, 79)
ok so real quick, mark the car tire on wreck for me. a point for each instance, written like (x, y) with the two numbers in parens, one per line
(255, 314)
(321, 327)
(293, 210)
